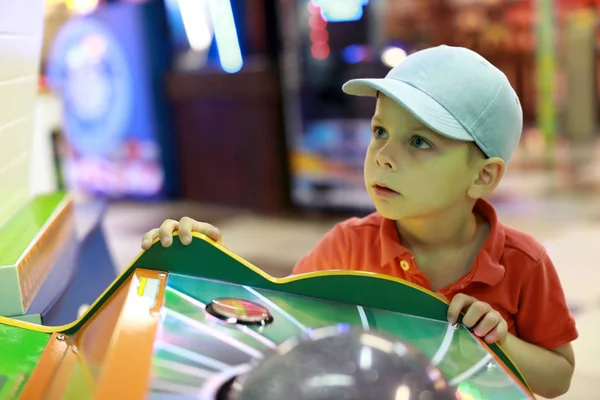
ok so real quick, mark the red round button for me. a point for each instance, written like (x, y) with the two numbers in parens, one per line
(239, 311)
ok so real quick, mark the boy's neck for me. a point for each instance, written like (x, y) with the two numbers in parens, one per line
(452, 227)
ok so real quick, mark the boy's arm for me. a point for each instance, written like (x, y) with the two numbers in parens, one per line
(548, 372)
(546, 329)
(544, 324)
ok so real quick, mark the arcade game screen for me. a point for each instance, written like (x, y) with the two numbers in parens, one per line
(115, 141)
(198, 322)
(327, 42)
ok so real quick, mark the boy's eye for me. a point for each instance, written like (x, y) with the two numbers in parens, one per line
(379, 133)
(419, 142)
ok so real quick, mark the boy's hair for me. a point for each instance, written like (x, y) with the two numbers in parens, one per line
(476, 152)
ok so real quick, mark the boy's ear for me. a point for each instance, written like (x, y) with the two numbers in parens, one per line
(487, 175)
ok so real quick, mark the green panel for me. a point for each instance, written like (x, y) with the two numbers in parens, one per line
(206, 291)
(310, 312)
(307, 313)
(12, 302)
(161, 366)
(195, 311)
(427, 336)
(18, 232)
(203, 259)
(489, 384)
(20, 350)
(184, 358)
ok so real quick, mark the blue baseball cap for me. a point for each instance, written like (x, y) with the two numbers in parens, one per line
(457, 93)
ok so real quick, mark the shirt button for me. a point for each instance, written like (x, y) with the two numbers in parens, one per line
(404, 265)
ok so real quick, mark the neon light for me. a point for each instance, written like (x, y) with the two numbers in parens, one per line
(393, 56)
(319, 36)
(320, 51)
(228, 45)
(341, 10)
(316, 22)
(81, 6)
(196, 23)
(313, 9)
(354, 54)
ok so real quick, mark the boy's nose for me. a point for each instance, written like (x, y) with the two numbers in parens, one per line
(385, 161)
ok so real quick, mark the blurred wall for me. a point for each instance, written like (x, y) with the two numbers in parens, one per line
(21, 23)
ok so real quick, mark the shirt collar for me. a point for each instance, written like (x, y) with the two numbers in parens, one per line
(486, 267)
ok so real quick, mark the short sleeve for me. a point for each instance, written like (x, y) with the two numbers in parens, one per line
(330, 253)
(544, 318)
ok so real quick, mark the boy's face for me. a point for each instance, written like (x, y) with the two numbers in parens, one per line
(426, 172)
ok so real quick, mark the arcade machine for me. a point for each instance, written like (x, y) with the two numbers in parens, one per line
(109, 68)
(49, 266)
(198, 322)
(38, 244)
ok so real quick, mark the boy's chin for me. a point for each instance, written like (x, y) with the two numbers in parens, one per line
(399, 212)
(389, 211)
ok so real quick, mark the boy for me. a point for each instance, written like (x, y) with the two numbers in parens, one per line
(445, 125)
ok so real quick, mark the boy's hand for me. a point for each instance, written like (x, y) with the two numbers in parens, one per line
(185, 227)
(486, 322)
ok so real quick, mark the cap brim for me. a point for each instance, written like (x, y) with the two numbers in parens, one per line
(419, 104)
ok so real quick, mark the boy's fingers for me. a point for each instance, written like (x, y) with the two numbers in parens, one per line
(458, 303)
(498, 334)
(185, 230)
(165, 232)
(488, 323)
(184, 227)
(208, 230)
(477, 310)
(213, 233)
(149, 238)
(188, 225)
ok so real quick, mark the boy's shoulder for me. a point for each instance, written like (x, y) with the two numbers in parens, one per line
(510, 247)
(521, 246)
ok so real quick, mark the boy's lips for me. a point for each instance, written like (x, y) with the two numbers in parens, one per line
(382, 190)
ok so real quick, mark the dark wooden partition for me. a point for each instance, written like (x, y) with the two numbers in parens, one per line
(230, 137)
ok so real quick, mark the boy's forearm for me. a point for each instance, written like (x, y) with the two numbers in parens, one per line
(547, 372)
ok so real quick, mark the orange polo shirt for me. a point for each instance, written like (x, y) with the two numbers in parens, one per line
(512, 272)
